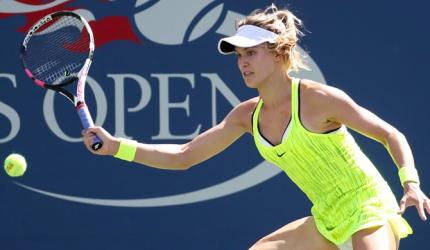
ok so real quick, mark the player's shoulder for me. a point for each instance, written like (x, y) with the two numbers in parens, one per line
(248, 106)
(242, 113)
(250, 103)
(317, 91)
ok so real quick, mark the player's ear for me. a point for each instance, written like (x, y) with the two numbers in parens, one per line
(278, 57)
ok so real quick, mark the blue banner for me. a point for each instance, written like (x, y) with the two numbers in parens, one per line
(157, 77)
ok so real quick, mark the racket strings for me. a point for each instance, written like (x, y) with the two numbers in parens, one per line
(57, 51)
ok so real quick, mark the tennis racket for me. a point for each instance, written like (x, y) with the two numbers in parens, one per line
(57, 53)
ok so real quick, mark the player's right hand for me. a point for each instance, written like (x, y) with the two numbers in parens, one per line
(110, 143)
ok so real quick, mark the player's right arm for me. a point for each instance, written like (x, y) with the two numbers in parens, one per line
(183, 156)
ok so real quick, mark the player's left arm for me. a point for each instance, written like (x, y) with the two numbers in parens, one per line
(343, 109)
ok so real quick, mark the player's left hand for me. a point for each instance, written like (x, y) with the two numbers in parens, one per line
(413, 196)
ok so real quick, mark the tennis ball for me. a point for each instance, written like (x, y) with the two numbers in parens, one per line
(15, 165)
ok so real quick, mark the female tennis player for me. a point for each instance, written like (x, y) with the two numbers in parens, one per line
(302, 127)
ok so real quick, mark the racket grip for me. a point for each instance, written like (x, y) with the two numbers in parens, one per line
(87, 121)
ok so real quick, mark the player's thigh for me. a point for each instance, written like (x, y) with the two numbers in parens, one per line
(297, 235)
(375, 238)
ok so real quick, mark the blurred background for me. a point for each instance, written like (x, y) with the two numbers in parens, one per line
(157, 77)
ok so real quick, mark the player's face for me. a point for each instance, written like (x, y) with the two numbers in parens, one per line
(256, 64)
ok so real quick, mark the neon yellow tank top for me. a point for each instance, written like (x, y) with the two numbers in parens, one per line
(347, 191)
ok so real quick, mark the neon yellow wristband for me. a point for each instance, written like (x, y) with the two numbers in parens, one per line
(408, 174)
(127, 149)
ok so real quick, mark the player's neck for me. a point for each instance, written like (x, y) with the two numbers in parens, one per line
(276, 91)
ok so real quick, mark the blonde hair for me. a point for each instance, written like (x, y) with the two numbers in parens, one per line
(287, 26)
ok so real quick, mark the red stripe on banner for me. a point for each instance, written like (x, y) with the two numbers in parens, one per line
(81, 45)
(35, 2)
(113, 28)
(5, 15)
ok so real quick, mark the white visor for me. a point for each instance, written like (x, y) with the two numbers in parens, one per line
(245, 37)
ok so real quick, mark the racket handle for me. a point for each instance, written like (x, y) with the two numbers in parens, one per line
(87, 122)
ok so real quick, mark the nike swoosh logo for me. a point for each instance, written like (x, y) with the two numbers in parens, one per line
(280, 155)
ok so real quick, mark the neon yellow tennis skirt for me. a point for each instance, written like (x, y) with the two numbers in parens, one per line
(339, 217)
